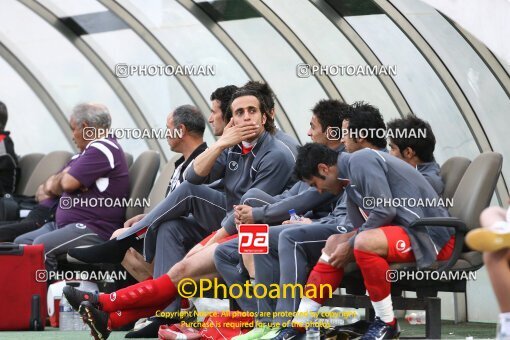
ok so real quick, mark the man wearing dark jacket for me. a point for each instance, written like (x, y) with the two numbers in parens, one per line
(8, 158)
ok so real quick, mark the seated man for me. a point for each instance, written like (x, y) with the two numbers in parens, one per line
(413, 151)
(41, 214)
(383, 236)
(494, 240)
(8, 158)
(245, 156)
(407, 144)
(97, 173)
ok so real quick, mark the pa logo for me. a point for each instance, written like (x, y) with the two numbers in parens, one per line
(233, 165)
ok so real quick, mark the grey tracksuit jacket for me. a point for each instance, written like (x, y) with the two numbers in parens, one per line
(268, 167)
(380, 175)
(431, 172)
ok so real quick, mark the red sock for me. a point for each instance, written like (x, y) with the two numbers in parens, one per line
(184, 303)
(322, 274)
(374, 268)
(122, 318)
(143, 294)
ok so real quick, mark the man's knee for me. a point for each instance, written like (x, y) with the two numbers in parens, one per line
(179, 271)
(170, 229)
(249, 195)
(491, 259)
(334, 240)
(370, 240)
(221, 255)
(287, 236)
(20, 240)
(117, 233)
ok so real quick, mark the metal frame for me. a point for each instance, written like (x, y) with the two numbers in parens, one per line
(293, 40)
(450, 83)
(238, 54)
(486, 55)
(40, 91)
(366, 53)
(161, 51)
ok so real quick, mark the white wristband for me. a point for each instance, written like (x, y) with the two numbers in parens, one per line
(325, 257)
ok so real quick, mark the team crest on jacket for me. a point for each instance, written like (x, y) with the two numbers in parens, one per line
(233, 165)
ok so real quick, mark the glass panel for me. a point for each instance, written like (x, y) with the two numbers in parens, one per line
(482, 89)
(156, 95)
(188, 41)
(62, 69)
(277, 62)
(331, 47)
(24, 106)
(423, 90)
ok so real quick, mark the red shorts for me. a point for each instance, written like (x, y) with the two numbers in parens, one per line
(223, 240)
(399, 246)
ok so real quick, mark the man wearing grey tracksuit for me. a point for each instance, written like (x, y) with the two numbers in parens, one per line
(194, 211)
(296, 248)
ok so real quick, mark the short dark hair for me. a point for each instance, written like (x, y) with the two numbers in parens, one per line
(3, 115)
(366, 116)
(310, 156)
(191, 117)
(223, 95)
(269, 126)
(331, 112)
(264, 90)
(423, 145)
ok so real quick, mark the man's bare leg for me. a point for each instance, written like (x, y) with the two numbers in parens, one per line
(136, 265)
(337, 248)
(197, 266)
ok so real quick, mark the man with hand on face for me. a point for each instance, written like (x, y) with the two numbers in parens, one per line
(245, 156)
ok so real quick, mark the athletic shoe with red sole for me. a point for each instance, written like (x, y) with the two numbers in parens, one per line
(178, 332)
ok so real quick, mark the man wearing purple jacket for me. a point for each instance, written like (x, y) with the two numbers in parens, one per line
(94, 187)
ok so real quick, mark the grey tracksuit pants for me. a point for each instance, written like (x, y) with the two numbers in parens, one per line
(184, 218)
(293, 251)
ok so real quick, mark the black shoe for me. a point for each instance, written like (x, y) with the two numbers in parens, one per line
(112, 251)
(97, 320)
(287, 334)
(76, 297)
(381, 330)
(353, 330)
